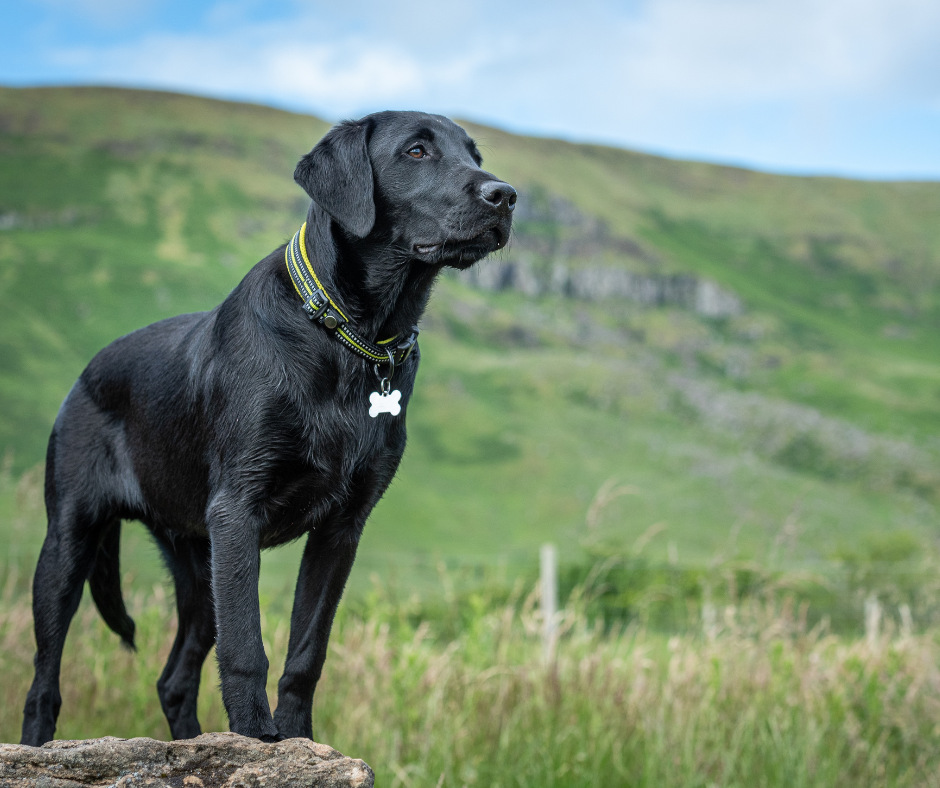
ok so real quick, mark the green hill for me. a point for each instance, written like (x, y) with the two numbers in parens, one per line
(754, 355)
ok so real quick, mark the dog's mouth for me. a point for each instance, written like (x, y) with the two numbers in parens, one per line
(464, 251)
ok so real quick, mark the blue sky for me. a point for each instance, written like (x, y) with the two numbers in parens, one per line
(811, 86)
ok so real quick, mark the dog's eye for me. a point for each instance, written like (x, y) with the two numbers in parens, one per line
(417, 152)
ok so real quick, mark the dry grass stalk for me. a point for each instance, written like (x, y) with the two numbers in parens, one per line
(761, 701)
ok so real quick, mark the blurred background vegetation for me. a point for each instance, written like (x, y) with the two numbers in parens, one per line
(716, 390)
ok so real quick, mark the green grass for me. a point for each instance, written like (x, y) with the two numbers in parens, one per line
(777, 468)
(131, 206)
(756, 698)
(791, 438)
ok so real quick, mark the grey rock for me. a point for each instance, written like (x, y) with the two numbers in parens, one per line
(551, 227)
(712, 301)
(558, 249)
(213, 760)
(18, 221)
(495, 276)
(598, 283)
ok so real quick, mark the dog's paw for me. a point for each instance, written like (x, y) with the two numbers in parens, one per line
(263, 730)
(294, 728)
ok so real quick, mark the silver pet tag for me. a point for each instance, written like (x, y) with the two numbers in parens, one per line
(385, 403)
(385, 400)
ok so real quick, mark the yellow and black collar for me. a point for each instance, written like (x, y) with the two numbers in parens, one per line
(320, 307)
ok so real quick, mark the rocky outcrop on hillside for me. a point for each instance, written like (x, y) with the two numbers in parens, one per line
(550, 227)
(40, 221)
(598, 283)
(556, 248)
(213, 760)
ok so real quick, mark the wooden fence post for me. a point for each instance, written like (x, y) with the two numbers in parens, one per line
(548, 582)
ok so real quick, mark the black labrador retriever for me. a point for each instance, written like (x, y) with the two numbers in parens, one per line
(270, 417)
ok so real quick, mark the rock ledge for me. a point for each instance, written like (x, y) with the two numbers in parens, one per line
(213, 760)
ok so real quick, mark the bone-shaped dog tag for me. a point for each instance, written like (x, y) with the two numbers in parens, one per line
(384, 403)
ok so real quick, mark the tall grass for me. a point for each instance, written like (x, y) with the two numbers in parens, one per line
(755, 698)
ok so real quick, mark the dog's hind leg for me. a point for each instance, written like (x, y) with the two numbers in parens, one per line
(324, 570)
(178, 686)
(66, 559)
(89, 481)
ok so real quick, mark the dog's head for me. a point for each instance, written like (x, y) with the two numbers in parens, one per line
(412, 181)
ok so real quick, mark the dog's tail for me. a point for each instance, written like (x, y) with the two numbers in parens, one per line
(105, 584)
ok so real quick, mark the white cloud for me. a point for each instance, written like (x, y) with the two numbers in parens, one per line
(342, 76)
(669, 50)
(276, 61)
(745, 50)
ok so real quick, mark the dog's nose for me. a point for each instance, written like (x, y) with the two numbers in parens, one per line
(499, 194)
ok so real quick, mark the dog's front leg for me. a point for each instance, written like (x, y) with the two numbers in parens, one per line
(243, 666)
(324, 570)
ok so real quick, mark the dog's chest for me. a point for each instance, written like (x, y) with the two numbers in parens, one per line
(346, 461)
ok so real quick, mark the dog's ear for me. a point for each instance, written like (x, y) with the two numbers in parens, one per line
(337, 174)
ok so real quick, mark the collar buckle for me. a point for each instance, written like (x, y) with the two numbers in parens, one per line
(319, 308)
(405, 347)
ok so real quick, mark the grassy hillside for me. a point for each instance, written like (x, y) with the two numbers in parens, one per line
(798, 432)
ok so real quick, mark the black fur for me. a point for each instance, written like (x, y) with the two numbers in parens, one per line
(246, 427)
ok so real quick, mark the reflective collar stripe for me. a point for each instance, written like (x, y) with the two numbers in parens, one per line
(320, 307)
(297, 249)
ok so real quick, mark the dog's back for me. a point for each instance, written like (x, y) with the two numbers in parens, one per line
(120, 425)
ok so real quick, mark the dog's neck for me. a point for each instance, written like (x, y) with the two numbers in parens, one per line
(382, 290)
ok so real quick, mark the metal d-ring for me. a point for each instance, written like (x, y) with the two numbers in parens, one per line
(385, 381)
